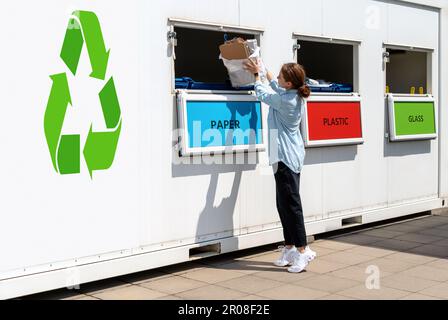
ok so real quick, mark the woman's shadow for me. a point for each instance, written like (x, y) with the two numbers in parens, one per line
(220, 220)
(217, 221)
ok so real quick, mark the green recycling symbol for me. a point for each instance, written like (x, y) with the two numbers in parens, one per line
(99, 148)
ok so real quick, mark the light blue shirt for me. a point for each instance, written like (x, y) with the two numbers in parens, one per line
(285, 113)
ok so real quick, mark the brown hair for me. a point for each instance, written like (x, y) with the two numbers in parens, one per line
(295, 73)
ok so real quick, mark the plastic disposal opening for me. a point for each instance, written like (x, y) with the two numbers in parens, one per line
(331, 65)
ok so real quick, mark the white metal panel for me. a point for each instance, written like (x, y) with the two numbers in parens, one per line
(340, 173)
(354, 13)
(343, 164)
(259, 185)
(144, 199)
(311, 185)
(299, 15)
(213, 26)
(225, 12)
(413, 26)
(417, 175)
(296, 16)
(373, 173)
(431, 3)
(413, 166)
(173, 208)
(48, 217)
(263, 211)
(376, 23)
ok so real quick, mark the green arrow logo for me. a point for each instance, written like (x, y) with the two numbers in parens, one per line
(85, 25)
(100, 147)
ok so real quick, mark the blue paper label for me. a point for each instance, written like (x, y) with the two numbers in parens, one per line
(224, 123)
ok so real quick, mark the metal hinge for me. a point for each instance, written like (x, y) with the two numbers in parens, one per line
(172, 40)
(386, 59)
(172, 37)
(295, 48)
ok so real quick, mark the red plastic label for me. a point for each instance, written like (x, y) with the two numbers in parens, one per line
(334, 120)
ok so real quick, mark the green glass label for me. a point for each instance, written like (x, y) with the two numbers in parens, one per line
(413, 118)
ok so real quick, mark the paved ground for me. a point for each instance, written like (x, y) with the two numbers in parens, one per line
(411, 257)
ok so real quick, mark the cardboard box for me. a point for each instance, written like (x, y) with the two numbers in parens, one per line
(235, 50)
(233, 55)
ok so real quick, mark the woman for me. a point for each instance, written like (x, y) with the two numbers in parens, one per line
(286, 154)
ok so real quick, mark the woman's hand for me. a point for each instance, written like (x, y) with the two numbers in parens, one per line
(252, 66)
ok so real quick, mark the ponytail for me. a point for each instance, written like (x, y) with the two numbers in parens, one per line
(304, 91)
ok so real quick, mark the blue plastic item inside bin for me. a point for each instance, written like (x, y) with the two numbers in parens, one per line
(333, 87)
(183, 83)
(188, 83)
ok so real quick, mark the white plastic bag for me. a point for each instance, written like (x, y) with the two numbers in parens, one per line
(239, 77)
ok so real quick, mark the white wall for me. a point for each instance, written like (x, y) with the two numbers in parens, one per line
(47, 217)
(143, 199)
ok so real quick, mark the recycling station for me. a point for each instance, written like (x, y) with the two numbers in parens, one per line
(125, 147)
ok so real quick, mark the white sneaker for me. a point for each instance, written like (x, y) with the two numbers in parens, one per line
(312, 253)
(286, 258)
(301, 260)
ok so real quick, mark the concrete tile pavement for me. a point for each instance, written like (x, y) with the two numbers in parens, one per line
(404, 260)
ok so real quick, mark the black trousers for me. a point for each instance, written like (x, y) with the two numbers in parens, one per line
(289, 205)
